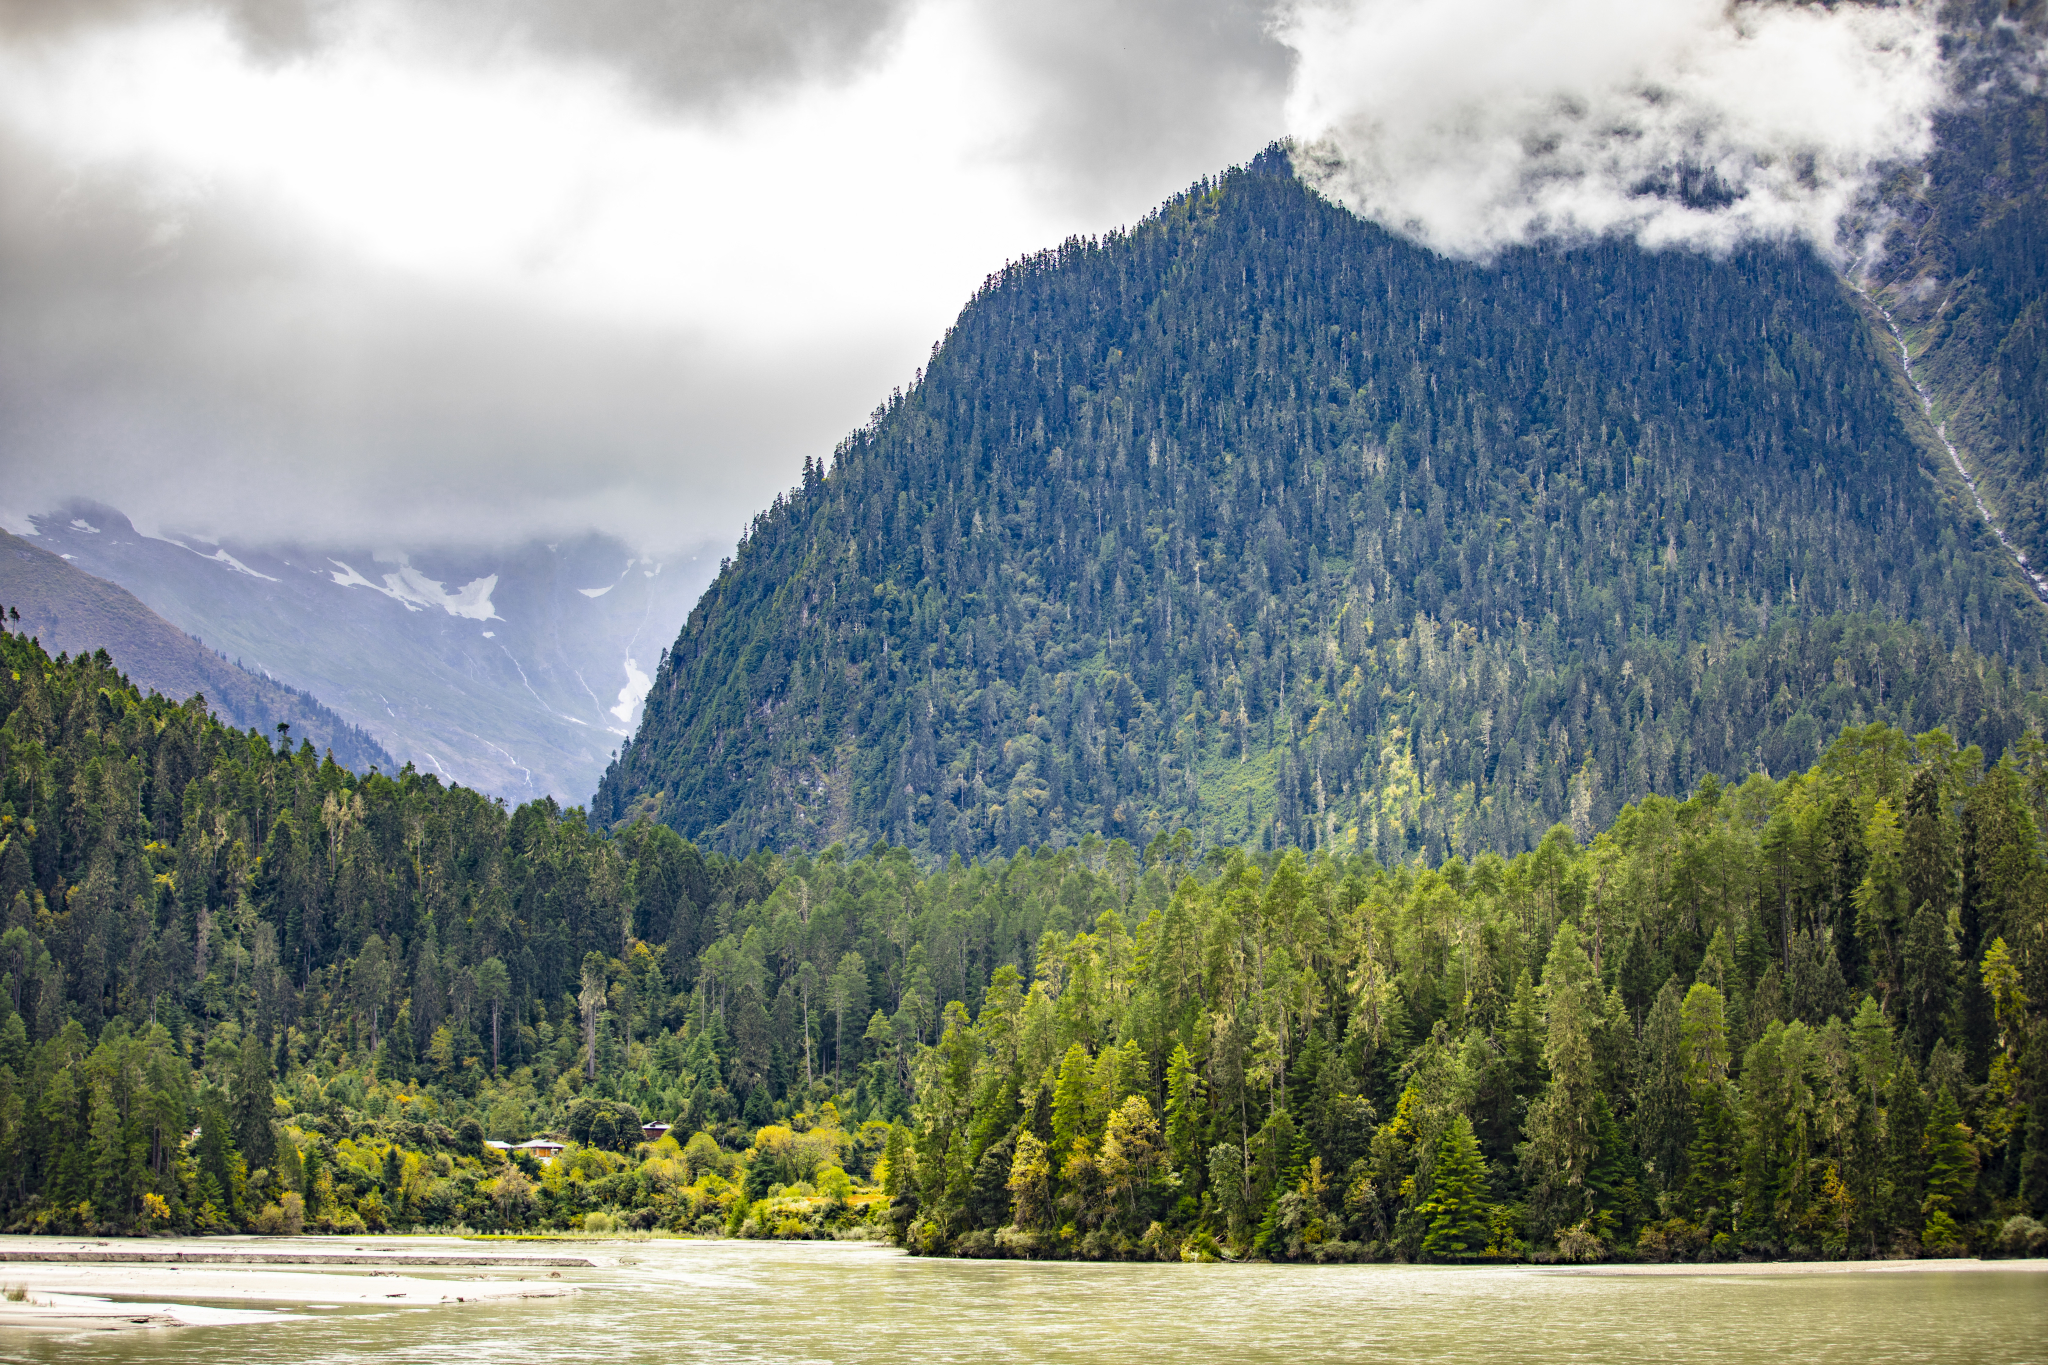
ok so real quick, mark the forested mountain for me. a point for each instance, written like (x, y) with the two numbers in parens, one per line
(1962, 264)
(1229, 763)
(71, 611)
(1260, 520)
(241, 987)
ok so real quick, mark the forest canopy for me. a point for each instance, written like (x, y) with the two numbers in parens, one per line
(244, 987)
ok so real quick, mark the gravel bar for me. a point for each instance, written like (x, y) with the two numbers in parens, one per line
(138, 1257)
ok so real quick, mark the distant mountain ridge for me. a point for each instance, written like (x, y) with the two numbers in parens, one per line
(1258, 519)
(71, 612)
(515, 671)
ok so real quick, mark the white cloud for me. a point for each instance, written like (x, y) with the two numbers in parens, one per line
(516, 282)
(1699, 122)
(393, 273)
(557, 184)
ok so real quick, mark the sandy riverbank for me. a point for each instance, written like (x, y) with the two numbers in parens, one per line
(90, 1285)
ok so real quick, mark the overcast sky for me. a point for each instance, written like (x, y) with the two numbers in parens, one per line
(413, 270)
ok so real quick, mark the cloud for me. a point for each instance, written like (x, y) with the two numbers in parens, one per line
(1103, 94)
(201, 364)
(1476, 126)
(398, 270)
(689, 53)
(476, 272)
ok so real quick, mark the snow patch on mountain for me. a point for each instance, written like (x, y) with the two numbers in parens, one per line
(493, 640)
(599, 592)
(220, 556)
(638, 684)
(416, 592)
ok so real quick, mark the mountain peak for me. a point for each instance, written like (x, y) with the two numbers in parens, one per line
(1259, 520)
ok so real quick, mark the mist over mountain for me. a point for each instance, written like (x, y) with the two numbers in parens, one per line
(1689, 122)
(515, 671)
(69, 611)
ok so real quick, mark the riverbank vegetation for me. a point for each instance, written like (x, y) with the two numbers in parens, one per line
(242, 987)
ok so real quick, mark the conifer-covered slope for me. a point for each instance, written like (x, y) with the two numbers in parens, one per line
(1260, 520)
(1963, 263)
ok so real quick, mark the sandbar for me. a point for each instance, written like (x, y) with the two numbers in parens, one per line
(90, 1285)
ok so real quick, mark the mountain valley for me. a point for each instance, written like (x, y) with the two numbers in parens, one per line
(1278, 744)
(69, 610)
(516, 672)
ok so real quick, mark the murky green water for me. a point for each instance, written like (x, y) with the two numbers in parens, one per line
(753, 1302)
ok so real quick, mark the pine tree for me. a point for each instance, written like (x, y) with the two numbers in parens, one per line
(1070, 1098)
(899, 1173)
(254, 1102)
(1714, 1158)
(2034, 1157)
(1184, 1113)
(1663, 1108)
(1950, 1152)
(1459, 1214)
(1564, 1136)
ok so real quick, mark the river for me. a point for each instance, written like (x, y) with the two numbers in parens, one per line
(721, 1301)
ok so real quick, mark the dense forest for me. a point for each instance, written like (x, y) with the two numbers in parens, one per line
(1258, 520)
(244, 987)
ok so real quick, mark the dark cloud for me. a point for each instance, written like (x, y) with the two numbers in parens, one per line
(1112, 91)
(271, 28)
(204, 368)
(195, 357)
(687, 53)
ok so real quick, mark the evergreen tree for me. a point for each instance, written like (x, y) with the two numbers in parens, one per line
(1663, 1096)
(1564, 1130)
(1951, 1157)
(1185, 1117)
(254, 1102)
(1459, 1214)
(1714, 1159)
(1070, 1102)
